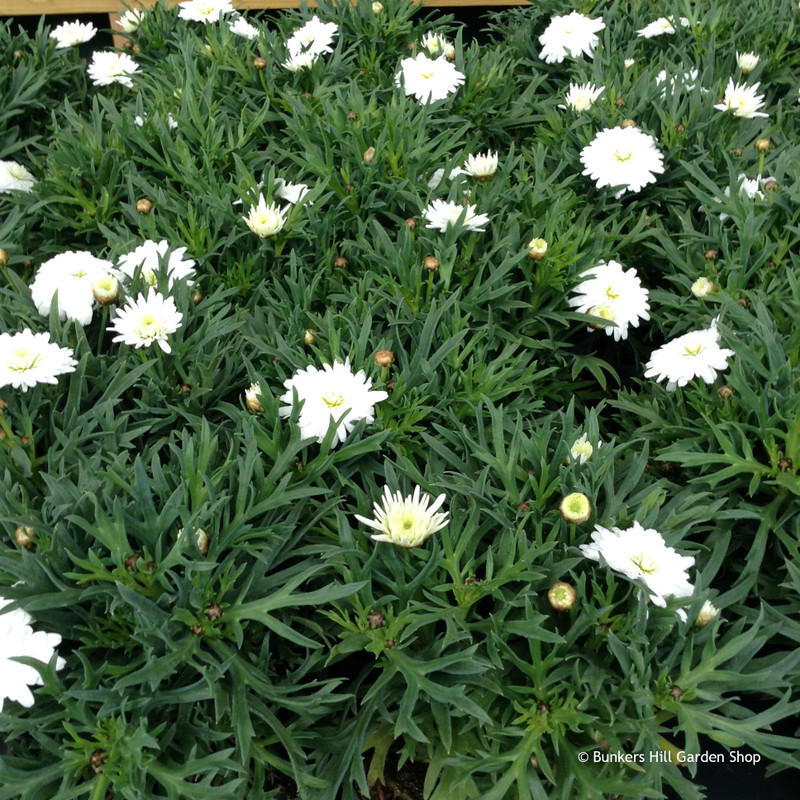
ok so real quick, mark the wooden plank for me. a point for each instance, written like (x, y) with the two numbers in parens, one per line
(37, 7)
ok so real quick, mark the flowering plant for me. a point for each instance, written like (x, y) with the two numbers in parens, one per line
(384, 411)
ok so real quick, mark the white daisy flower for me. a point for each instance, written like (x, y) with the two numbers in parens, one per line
(29, 358)
(252, 398)
(748, 187)
(661, 26)
(72, 275)
(581, 450)
(624, 157)
(241, 27)
(406, 521)
(742, 100)
(108, 67)
(298, 61)
(613, 293)
(15, 178)
(441, 214)
(130, 20)
(315, 38)
(706, 615)
(146, 321)
(265, 220)
(428, 79)
(205, 10)
(290, 192)
(629, 62)
(580, 97)
(68, 34)
(332, 394)
(481, 166)
(747, 62)
(570, 35)
(696, 354)
(150, 256)
(21, 641)
(702, 287)
(435, 44)
(642, 555)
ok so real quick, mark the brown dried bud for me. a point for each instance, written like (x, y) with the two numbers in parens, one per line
(543, 708)
(725, 392)
(348, 187)
(389, 644)
(150, 566)
(96, 760)
(24, 536)
(737, 151)
(411, 223)
(772, 185)
(307, 95)
(431, 263)
(352, 115)
(534, 761)
(213, 612)
(18, 54)
(410, 46)
(384, 358)
(680, 127)
(130, 563)
(308, 337)
(3, 404)
(785, 464)
(562, 596)
(185, 388)
(390, 386)
(340, 262)
(627, 123)
(259, 63)
(197, 296)
(144, 206)
(762, 145)
(711, 254)
(619, 103)
(744, 302)
(375, 620)
(197, 630)
(523, 507)
(675, 692)
(3, 257)
(25, 441)
(368, 155)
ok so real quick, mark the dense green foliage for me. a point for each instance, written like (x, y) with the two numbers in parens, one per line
(494, 379)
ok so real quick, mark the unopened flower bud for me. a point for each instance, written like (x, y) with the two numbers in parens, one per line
(675, 692)
(96, 761)
(604, 311)
(450, 53)
(431, 263)
(619, 103)
(707, 614)
(3, 257)
(251, 400)
(259, 63)
(702, 287)
(710, 254)
(105, 290)
(377, 8)
(144, 206)
(24, 536)
(737, 151)
(384, 358)
(771, 184)
(629, 62)
(575, 508)
(3, 404)
(197, 630)
(725, 392)
(340, 262)
(411, 223)
(309, 338)
(131, 562)
(785, 464)
(201, 537)
(389, 643)
(537, 249)
(375, 619)
(213, 612)
(762, 145)
(352, 115)
(747, 62)
(627, 123)
(197, 296)
(369, 154)
(562, 596)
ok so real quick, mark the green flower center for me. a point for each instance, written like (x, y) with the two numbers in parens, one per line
(644, 563)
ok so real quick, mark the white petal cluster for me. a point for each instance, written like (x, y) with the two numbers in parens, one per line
(406, 521)
(331, 394)
(72, 275)
(642, 555)
(579, 97)
(204, 10)
(15, 178)
(130, 20)
(661, 26)
(624, 157)
(747, 62)
(146, 321)
(109, 67)
(696, 354)
(436, 45)
(19, 640)
(298, 61)
(685, 82)
(743, 100)
(581, 450)
(150, 256)
(314, 38)
(428, 79)
(570, 35)
(439, 175)
(748, 187)
(28, 358)
(265, 220)
(481, 166)
(441, 214)
(613, 293)
(241, 27)
(68, 34)
(290, 192)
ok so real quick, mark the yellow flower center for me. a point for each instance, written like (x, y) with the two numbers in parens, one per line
(622, 159)
(148, 326)
(691, 352)
(645, 563)
(22, 360)
(426, 75)
(611, 294)
(333, 399)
